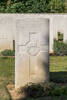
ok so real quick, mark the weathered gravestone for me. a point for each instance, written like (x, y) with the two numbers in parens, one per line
(32, 51)
(6, 32)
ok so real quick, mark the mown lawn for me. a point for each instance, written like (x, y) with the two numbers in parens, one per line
(6, 76)
(58, 69)
(65, 6)
(58, 73)
(58, 63)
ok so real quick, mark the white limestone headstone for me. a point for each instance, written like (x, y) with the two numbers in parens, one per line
(6, 32)
(32, 51)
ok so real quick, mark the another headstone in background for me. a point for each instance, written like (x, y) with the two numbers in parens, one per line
(32, 51)
(6, 32)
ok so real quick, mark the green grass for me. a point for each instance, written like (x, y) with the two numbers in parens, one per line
(6, 76)
(58, 73)
(58, 63)
(7, 69)
(65, 6)
(58, 69)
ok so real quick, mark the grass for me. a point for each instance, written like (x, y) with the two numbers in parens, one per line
(58, 63)
(65, 6)
(58, 73)
(6, 76)
(7, 69)
(58, 69)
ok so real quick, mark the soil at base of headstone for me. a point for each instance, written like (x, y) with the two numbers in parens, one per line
(14, 94)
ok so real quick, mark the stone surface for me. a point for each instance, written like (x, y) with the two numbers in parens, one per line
(31, 46)
(58, 22)
(32, 51)
(6, 32)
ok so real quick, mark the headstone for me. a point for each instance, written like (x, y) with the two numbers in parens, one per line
(32, 51)
(6, 32)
